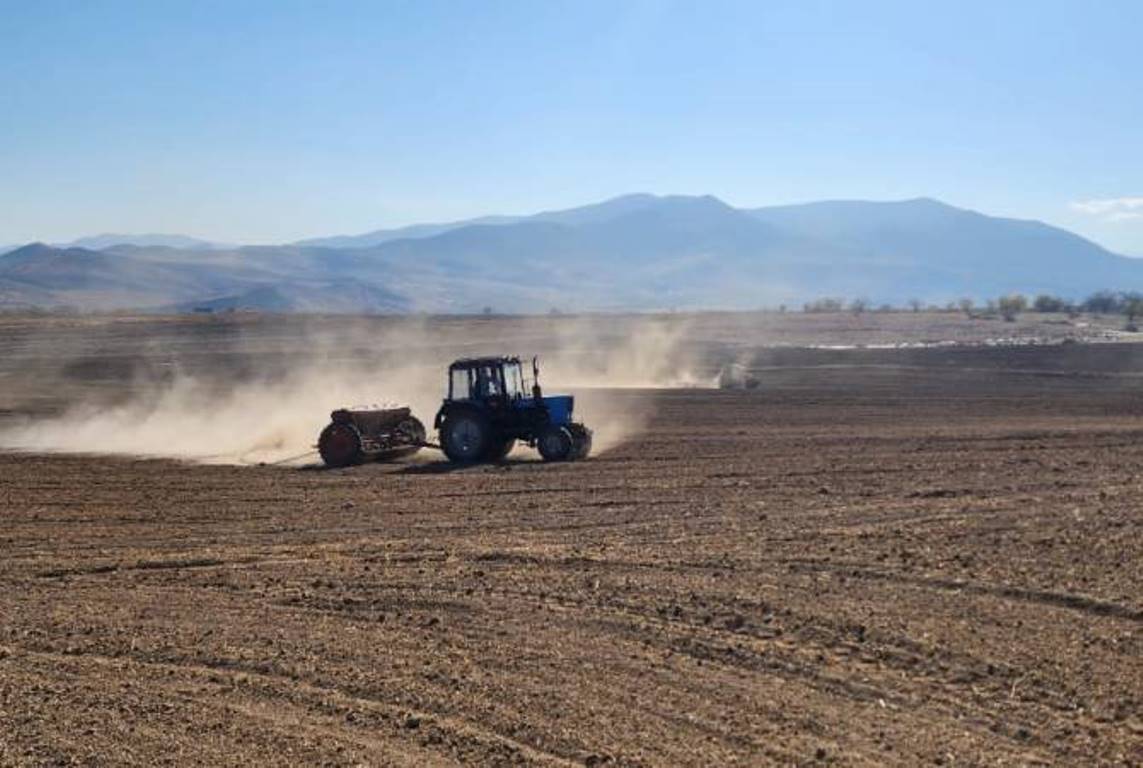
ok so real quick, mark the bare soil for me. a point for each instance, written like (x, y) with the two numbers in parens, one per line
(877, 557)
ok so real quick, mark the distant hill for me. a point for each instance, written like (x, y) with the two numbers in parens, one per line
(330, 297)
(88, 279)
(632, 252)
(164, 279)
(415, 231)
(99, 242)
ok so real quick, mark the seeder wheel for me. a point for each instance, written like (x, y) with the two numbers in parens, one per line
(340, 445)
(413, 430)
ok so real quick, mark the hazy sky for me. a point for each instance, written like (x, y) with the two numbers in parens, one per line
(271, 121)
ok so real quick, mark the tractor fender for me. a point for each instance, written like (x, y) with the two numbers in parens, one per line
(449, 409)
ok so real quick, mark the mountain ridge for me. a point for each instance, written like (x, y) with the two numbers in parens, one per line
(637, 251)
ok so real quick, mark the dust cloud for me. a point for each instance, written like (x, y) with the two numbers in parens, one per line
(209, 414)
(641, 353)
(253, 422)
(598, 358)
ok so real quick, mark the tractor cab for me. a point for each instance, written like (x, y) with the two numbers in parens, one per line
(489, 406)
(486, 379)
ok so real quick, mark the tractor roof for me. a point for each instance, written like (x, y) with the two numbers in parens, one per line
(473, 362)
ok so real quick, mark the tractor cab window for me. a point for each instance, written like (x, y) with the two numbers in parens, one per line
(458, 388)
(513, 382)
(487, 381)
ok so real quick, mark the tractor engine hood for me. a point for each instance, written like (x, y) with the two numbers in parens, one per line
(560, 407)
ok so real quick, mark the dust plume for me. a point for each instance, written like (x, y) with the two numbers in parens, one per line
(626, 353)
(220, 412)
(188, 419)
(604, 360)
(262, 391)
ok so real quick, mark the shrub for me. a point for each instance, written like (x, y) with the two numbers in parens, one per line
(1012, 305)
(823, 305)
(1047, 303)
(1133, 308)
(1103, 303)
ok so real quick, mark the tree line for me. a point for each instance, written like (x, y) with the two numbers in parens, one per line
(1126, 303)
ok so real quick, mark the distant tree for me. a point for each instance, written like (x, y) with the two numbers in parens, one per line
(858, 306)
(965, 305)
(885, 308)
(1047, 303)
(782, 308)
(915, 305)
(823, 305)
(1133, 308)
(1012, 305)
(487, 310)
(1102, 303)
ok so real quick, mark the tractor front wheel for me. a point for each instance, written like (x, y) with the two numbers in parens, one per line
(581, 442)
(555, 443)
(465, 438)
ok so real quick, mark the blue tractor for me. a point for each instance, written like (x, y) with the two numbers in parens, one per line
(489, 407)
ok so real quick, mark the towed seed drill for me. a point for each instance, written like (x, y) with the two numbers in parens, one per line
(488, 408)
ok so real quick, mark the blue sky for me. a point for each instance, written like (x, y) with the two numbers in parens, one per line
(271, 121)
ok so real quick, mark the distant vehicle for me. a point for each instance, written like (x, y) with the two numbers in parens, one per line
(487, 409)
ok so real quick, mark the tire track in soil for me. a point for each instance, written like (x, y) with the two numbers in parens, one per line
(318, 697)
(1037, 596)
(778, 654)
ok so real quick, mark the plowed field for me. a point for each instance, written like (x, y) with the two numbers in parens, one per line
(867, 560)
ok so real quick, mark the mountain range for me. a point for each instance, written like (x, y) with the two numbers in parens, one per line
(635, 252)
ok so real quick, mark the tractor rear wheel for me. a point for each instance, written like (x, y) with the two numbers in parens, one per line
(465, 438)
(340, 445)
(555, 443)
